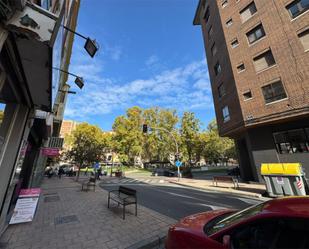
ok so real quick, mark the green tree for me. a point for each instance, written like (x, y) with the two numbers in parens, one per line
(1, 116)
(86, 145)
(158, 143)
(128, 136)
(190, 127)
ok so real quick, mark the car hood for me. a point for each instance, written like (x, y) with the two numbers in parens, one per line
(195, 223)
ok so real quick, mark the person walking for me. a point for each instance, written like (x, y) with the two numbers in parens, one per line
(86, 171)
(60, 172)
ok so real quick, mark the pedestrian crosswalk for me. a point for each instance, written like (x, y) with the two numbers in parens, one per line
(134, 181)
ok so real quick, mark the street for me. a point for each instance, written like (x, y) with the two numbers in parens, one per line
(177, 201)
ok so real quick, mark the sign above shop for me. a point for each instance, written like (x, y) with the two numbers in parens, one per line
(50, 151)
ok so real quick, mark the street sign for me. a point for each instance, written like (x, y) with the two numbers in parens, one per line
(96, 165)
(178, 163)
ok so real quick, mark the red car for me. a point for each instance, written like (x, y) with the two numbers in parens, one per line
(278, 223)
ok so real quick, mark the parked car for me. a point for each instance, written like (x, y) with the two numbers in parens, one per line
(278, 223)
(162, 172)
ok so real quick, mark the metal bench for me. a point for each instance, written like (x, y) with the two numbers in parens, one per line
(228, 179)
(123, 196)
(89, 183)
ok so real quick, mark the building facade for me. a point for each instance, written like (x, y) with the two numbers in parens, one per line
(32, 42)
(258, 60)
(67, 127)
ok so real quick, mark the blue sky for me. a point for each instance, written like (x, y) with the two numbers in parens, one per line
(150, 55)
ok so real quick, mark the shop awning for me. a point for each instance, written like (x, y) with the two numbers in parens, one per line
(35, 31)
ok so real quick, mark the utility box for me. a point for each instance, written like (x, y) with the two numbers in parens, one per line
(284, 179)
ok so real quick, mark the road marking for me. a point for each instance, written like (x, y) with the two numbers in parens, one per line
(249, 201)
(211, 206)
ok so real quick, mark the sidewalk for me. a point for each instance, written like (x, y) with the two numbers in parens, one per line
(68, 218)
(245, 189)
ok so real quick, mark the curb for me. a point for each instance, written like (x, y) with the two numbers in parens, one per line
(254, 195)
(150, 243)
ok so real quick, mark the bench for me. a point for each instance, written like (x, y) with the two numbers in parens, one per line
(89, 183)
(228, 179)
(123, 196)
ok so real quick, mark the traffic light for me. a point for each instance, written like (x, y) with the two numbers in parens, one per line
(176, 157)
(145, 128)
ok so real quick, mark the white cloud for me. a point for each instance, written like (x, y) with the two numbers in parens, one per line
(153, 59)
(182, 88)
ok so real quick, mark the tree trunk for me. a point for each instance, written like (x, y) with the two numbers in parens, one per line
(78, 173)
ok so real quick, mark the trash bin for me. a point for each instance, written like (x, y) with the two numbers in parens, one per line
(284, 179)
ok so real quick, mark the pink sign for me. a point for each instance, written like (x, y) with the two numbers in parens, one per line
(29, 192)
(50, 151)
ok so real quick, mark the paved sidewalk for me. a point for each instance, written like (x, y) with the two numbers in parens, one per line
(245, 189)
(69, 218)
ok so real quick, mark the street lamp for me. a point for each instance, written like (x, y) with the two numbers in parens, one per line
(91, 46)
(69, 92)
(79, 81)
(145, 130)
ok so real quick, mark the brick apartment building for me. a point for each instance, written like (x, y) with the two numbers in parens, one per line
(258, 60)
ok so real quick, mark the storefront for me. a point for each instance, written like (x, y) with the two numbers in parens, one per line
(26, 49)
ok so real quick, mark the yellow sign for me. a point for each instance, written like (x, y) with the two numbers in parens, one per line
(281, 169)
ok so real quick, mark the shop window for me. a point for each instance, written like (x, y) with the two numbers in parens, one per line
(241, 67)
(234, 43)
(46, 4)
(273, 92)
(229, 22)
(304, 39)
(217, 68)
(255, 34)
(297, 7)
(226, 114)
(221, 90)
(214, 49)
(2, 107)
(247, 95)
(292, 141)
(263, 61)
(248, 12)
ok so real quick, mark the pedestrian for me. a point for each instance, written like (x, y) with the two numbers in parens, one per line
(86, 171)
(60, 172)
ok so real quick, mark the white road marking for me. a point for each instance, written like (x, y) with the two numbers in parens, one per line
(249, 201)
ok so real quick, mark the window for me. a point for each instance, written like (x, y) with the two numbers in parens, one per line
(210, 32)
(224, 3)
(263, 61)
(213, 49)
(226, 113)
(234, 43)
(229, 22)
(46, 4)
(241, 67)
(304, 39)
(292, 141)
(297, 7)
(248, 12)
(255, 34)
(207, 15)
(273, 92)
(221, 90)
(247, 95)
(217, 68)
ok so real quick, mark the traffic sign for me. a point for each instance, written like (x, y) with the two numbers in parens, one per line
(178, 163)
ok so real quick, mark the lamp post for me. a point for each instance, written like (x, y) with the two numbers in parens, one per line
(79, 81)
(145, 129)
(91, 46)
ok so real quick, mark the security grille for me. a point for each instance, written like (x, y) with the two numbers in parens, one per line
(56, 142)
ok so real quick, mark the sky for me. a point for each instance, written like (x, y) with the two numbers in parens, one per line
(150, 55)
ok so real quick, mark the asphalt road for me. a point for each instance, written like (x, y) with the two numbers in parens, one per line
(177, 202)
